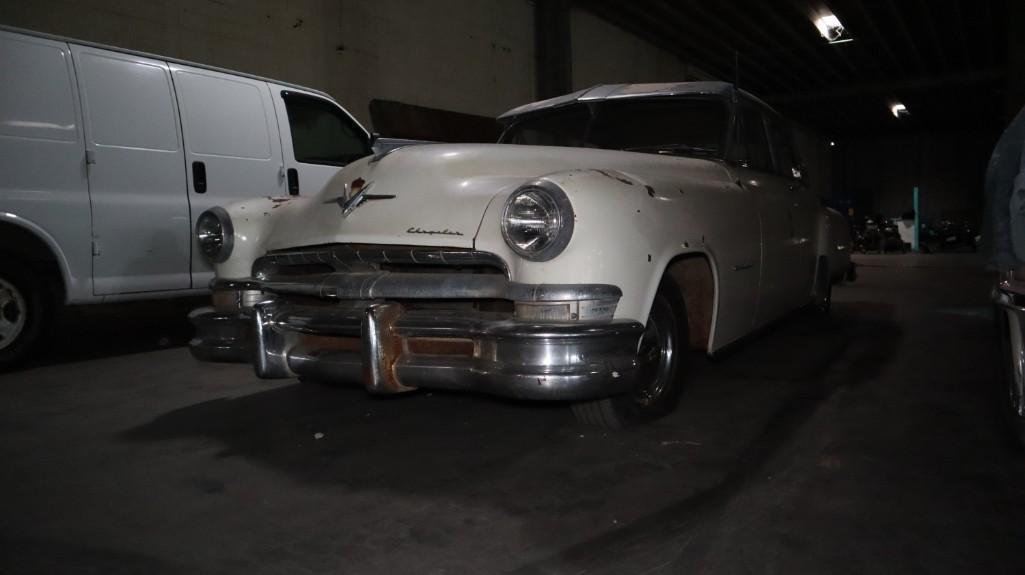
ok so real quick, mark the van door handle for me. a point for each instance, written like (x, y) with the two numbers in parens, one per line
(293, 182)
(199, 177)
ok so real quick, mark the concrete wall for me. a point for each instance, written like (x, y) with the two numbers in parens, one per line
(603, 53)
(462, 55)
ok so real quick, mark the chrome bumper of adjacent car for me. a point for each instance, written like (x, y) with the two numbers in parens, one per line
(381, 345)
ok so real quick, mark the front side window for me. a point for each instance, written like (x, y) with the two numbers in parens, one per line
(753, 149)
(782, 149)
(321, 133)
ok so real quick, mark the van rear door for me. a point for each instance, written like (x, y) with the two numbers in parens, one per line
(318, 137)
(232, 148)
(140, 213)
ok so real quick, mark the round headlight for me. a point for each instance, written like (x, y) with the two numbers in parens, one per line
(538, 221)
(215, 234)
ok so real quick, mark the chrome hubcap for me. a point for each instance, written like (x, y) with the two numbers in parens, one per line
(656, 355)
(12, 313)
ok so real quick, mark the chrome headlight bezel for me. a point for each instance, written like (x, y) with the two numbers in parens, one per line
(564, 217)
(215, 234)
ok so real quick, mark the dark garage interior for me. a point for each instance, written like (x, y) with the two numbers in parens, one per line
(833, 390)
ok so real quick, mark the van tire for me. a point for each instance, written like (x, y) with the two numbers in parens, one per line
(657, 395)
(25, 311)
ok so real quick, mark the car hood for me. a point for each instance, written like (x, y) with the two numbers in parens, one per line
(437, 194)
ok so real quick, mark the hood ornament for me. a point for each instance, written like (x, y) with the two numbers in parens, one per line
(350, 203)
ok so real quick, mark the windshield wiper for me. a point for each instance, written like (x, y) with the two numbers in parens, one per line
(673, 150)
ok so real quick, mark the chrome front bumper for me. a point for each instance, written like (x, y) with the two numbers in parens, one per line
(348, 334)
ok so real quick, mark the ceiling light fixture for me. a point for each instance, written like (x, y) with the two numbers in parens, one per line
(831, 29)
(899, 110)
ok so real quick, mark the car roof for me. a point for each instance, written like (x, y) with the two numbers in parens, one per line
(627, 91)
(68, 40)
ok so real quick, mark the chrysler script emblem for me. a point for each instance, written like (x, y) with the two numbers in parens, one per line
(444, 232)
(349, 204)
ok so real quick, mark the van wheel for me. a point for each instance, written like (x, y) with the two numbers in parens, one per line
(24, 311)
(663, 352)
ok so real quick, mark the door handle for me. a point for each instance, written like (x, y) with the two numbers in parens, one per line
(199, 177)
(293, 182)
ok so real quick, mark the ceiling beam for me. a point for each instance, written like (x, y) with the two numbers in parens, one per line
(713, 35)
(877, 36)
(955, 7)
(685, 47)
(898, 19)
(908, 85)
(615, 16)
(934, 36)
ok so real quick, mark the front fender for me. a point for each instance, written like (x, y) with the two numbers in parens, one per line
(253, 222)
(626, 232)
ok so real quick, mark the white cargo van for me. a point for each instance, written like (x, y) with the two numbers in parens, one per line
(108, 156)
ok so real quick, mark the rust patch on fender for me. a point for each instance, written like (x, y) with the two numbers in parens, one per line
(693, 275)
(612, 176)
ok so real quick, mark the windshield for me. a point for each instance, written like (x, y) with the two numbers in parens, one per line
(677, 126)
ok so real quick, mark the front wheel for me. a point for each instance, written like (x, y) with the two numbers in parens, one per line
(23, 311)
(662, 354)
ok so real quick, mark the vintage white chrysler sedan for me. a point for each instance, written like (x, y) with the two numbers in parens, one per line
(608, 235)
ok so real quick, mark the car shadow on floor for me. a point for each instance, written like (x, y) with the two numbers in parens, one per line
(531, 460)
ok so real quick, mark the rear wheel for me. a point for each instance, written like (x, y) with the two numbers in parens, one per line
(24, 311)
(662, 355)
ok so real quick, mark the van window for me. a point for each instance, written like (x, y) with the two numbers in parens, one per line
(322, 133)
(130, 103)
(223, 116)
(36, 99)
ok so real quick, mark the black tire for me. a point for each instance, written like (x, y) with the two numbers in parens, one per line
(1010, 389)
(666, 341)
(25, 311)
(823, 302)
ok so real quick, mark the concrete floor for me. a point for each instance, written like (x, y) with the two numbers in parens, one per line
(861, 443)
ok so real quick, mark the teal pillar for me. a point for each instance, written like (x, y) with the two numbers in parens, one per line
(918, 224)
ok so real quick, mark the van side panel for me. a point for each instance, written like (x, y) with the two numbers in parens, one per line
(231, 141)
(43, 186)
(136, 173)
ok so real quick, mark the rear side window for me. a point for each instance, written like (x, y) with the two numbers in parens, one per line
(321, 133)
(224, 116)
(35, 91)
(754, 149)
(130, 102)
